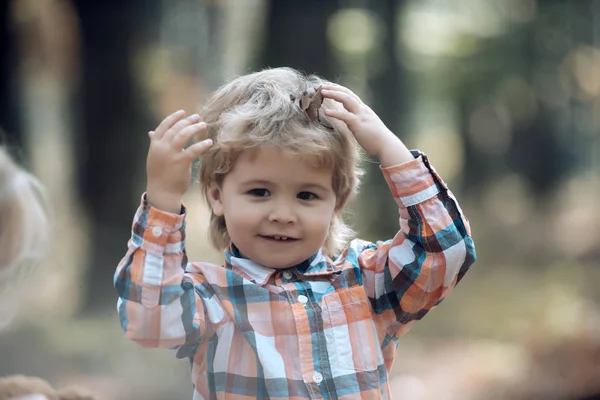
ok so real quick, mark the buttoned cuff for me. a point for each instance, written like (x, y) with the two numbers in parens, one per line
(414, 181)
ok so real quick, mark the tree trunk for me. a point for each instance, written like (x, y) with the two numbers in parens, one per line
(388, 102)
(8, 93)
(297, 36)
(113, 141)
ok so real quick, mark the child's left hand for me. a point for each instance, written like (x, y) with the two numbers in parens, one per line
(368, 129)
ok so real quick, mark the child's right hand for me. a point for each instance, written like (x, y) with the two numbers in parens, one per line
(169, 163)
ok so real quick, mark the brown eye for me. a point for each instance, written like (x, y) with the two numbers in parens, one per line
(307, 196)
(259, 192)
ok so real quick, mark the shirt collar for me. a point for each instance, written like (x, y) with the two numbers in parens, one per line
(316, 265)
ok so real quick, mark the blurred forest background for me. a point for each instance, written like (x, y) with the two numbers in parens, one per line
(504, 96)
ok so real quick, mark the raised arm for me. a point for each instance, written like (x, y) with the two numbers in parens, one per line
(159, 305)
(407, 276)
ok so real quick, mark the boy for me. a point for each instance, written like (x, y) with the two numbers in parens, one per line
(280, 319)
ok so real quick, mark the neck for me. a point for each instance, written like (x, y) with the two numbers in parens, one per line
(234, 251)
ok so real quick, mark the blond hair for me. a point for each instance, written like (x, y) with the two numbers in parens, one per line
(24, 226)
(256, 110)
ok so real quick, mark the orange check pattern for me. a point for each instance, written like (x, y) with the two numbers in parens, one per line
(321, 330)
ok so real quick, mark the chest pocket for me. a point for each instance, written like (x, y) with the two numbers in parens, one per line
(351, 336)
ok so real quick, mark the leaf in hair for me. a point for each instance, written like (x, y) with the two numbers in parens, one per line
(311, 103)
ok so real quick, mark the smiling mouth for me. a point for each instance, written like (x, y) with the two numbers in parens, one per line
(278, 238)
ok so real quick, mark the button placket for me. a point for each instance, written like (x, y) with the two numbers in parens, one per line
(305, 345)
(317, 377)
(302, 299)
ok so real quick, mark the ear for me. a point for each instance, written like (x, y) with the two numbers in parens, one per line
(215, 199)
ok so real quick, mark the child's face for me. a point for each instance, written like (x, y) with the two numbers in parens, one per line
(277, 208)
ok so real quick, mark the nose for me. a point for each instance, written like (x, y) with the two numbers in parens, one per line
(283, 213)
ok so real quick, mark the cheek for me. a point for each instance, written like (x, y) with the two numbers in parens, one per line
(240, 216)
(321, 220)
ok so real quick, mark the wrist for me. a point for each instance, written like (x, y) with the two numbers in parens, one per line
(393, 152)
(164, 201)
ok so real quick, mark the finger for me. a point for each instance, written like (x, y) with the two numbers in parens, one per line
(347, 100)
(151, 135)
(167, 123)
(343, 115)
(186, 134)
(175, 129)
(197, 149)
(335, 86)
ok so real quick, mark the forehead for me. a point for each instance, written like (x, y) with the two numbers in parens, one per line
(273, 164)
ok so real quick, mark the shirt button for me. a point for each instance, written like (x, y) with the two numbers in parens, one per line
(317, 377)
(157, 231)
(302, 299)
(287, 275)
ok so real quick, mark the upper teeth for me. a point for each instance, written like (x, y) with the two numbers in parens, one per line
(280, 237)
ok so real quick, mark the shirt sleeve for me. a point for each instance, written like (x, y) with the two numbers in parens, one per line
(158, 306)
(407, 276)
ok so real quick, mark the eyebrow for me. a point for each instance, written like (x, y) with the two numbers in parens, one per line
(262, 182)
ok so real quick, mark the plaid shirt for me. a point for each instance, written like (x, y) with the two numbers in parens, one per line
(321, 330)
